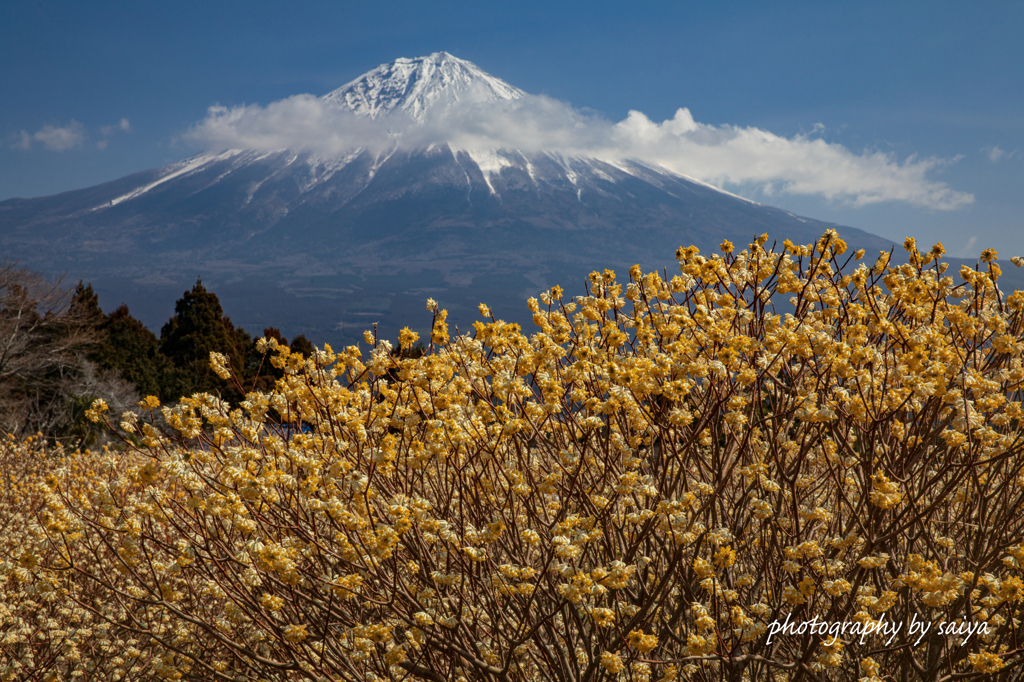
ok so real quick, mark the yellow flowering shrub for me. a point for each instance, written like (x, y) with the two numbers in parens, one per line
(637, 489)
(53, 625)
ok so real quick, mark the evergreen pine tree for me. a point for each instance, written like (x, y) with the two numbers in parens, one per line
(85, 306)
(300, 344)
(123, 344)
(198, 328)
(134, 351)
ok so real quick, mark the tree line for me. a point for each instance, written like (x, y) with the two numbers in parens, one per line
(59, 351)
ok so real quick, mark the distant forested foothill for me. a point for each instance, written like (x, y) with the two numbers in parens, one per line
(59, 351)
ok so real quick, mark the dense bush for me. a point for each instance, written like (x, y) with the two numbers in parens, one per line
(638, 490)
(59, 351)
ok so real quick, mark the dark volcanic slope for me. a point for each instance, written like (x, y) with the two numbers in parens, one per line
(326, 247)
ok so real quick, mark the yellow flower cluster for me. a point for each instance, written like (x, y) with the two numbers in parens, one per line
(637, 488)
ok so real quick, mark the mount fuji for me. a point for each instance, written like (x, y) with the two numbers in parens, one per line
(328, 243)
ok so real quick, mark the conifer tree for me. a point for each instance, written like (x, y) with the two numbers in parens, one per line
(85, 306)
(300, 344)
(134, 351)
(123, 344)
(200, 327)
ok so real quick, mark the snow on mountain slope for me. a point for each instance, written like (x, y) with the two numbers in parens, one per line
(419, 86)
(500, 170)
(176, 170)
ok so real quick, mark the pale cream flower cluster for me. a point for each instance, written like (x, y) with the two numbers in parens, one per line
(635, 491)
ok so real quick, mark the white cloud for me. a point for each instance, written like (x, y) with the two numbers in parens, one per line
(966, 251)
(62, 138)
(724, 155)
(732, 155)
(22, 141)
(123, 125)
(59, 139)
(54, 138)
(301, 122)
(995, 154)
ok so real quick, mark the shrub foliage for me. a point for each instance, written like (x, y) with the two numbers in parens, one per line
(635, 491)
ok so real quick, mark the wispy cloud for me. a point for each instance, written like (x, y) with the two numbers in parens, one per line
(124, 125)
(22, 141)
(54, 138)
(966, 251)
(301, 122)
(62, 138)
(724, 155)
(995, 154)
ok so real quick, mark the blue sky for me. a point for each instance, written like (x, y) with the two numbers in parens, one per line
(94, 91)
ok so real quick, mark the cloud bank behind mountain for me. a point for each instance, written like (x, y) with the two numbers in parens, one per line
(726, 156)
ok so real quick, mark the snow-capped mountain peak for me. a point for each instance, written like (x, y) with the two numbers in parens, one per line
(420, 85)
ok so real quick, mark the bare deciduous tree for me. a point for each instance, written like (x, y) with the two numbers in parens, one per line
(46, 381)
